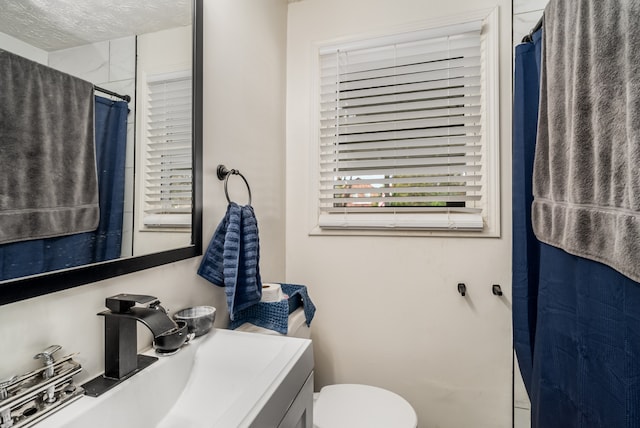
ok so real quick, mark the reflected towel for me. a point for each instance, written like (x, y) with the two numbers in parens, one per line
(48, 184)
(232, 258)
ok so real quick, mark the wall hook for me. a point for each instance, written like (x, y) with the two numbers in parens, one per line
(496, 290)
(462, 289)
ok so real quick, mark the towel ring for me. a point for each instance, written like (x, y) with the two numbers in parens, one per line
(224, 174)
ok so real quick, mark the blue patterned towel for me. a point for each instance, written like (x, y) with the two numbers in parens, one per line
(232, 258)
(275, 315)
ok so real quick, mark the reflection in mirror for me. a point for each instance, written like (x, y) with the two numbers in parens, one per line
(143, 208)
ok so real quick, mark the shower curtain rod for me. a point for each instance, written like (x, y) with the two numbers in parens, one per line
(529, 37)
(126, 98)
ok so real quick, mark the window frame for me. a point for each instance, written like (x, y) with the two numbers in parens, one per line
(490, 134)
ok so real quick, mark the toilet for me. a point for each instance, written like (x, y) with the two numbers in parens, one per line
(348, 405)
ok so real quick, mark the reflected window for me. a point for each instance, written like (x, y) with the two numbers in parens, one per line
(168, 166)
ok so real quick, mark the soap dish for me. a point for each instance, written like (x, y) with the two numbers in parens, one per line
(199, 319)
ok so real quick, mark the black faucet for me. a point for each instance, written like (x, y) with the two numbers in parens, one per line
(120, 339)
(121, 359)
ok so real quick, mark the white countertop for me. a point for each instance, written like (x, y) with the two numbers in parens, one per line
(223, 379)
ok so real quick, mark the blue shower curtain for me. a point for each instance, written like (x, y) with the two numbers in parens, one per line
(526, 252)
(576, 322)
(20, 259)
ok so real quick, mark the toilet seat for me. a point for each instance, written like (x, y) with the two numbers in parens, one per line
(352, 405)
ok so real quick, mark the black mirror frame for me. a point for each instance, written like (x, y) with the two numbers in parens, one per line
(38, 285)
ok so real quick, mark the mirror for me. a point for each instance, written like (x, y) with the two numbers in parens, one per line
(152, 51)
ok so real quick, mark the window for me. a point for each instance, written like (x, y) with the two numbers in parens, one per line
(168, 172)
(404, 136)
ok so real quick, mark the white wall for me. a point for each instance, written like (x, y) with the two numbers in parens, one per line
(18, 47)
(245, 46)
(244, 118)
(388, 310)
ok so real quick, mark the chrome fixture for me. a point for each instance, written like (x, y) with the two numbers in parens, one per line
(4, 385)
(121, 359)
(27, 399)
(47, 357)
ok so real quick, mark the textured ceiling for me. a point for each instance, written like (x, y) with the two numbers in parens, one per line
(60, 24)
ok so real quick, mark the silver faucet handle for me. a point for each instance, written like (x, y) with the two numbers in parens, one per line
(4, 384)
(47, 354)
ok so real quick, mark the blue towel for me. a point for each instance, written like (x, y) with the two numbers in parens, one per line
(275, 315)
(232, 258)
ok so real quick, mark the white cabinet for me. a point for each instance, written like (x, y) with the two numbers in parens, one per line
(300, 414)
(290, 403)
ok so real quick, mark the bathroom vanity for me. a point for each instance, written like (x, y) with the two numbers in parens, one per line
(226, 379)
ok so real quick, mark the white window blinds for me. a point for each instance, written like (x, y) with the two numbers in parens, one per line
(401, 122)
(168, 166)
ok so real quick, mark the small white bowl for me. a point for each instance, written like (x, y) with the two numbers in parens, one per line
(199, 319)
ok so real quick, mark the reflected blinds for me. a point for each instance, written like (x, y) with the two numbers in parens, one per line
(401, 131)
(168, 172)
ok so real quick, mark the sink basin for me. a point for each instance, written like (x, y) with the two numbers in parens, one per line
(224, 379)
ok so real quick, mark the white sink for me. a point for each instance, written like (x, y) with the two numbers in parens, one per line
(224, 379)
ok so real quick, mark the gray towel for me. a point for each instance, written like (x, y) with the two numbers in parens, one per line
(48, 179)
(586, 180)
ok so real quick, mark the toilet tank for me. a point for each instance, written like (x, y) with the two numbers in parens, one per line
(297, 326)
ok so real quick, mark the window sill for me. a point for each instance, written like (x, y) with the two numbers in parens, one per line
(444, 225)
